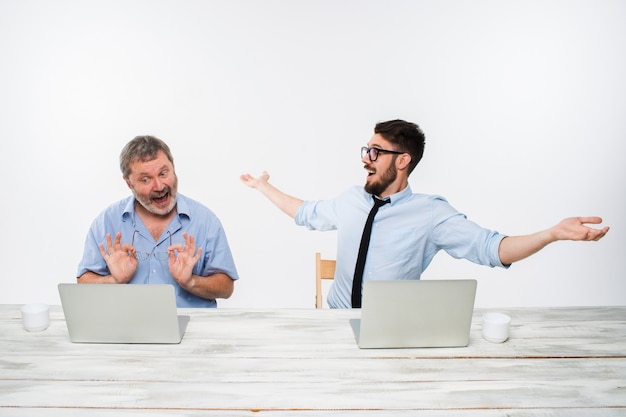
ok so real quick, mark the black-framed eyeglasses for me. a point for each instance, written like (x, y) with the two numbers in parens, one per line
(144, 256)
(373, 152)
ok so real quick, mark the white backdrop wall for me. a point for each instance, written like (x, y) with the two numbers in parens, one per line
(523, 104)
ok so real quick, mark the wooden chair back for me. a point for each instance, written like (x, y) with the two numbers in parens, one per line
(324, 269)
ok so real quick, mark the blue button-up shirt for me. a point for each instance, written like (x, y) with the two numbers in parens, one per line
(192, 217)
(406, 235)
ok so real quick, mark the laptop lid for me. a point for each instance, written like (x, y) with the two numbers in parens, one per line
(122, 313)
(416, 313)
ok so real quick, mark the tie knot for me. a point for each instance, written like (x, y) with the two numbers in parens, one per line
(379, 203)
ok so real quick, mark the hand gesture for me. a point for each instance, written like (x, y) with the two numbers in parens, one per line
(288, 204)
(182, 260)
(253, 182)
(120, 258)
(573, 228)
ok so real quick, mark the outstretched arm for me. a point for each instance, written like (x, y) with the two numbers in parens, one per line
(286, 203)
(515, 248)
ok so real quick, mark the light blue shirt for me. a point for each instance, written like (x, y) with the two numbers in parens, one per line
(192, 217)
(406, 235)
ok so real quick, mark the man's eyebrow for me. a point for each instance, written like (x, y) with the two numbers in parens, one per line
(164, 167)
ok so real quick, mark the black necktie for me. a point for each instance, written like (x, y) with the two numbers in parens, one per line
(360, 260)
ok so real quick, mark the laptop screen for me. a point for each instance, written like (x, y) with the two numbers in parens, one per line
(122, 313)
(416, 313)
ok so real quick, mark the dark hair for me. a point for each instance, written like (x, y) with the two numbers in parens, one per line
(406, 136)
(142, 148)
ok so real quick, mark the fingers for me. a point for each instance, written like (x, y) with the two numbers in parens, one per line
(109, 243)
(198, 255)
(109, 247)
(182, 258)
(102, 251)
(189, 240)
(248, 180)
(600, 234)
(114, 245)
(251, 181)
(593, 234)
(118, 239)
(576, 228)
(189, 247)
(590, 220)
(128, 248)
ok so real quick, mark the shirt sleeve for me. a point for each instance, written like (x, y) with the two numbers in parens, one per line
(92, 260)
(216, 252)
(317, 215)
(462, 238)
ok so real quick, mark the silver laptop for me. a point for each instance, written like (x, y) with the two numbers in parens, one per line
(122, 313)
(415, 313)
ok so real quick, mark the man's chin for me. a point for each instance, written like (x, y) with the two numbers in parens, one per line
(371, 189)
(160, 211)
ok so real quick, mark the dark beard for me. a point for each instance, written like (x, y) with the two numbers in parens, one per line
(388, 177)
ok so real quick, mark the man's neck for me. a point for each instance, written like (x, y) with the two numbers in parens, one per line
(394, 188)
(155, 223)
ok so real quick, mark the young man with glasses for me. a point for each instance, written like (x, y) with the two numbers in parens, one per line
(160, 236)
(408, 229)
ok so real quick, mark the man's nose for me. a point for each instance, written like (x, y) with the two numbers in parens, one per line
(158, 184)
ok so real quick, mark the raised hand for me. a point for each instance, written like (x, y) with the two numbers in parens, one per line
(573, 228)
(253, 182)
(120, 258)
(182, 259)
(288, 204)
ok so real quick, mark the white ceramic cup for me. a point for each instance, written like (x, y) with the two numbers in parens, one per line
(496, 327)
(35, 317)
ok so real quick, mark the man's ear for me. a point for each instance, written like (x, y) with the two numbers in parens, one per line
(127, 181)
(403, 161)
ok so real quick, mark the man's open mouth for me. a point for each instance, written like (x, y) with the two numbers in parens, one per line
(161, 200)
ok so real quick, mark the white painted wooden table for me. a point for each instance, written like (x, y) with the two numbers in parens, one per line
(558, 362)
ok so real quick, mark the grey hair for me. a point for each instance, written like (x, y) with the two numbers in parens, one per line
(142, 148)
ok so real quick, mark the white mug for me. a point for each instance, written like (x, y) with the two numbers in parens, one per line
(35, 317)
(496, 327)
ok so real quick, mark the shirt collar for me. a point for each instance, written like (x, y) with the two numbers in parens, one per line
(396, 198)
(400, 196)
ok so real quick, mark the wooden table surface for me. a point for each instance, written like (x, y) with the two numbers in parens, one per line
(305, 362)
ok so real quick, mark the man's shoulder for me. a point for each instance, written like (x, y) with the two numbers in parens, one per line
(113, 214)
(435, 198)
(408, 196)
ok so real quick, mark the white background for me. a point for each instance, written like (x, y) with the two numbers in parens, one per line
(523, 104)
